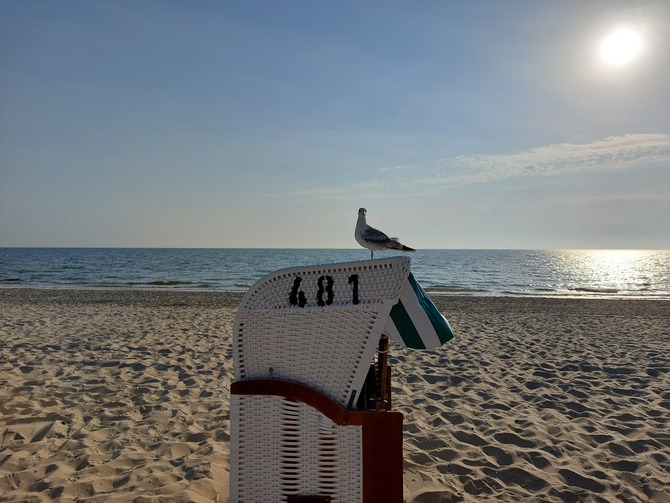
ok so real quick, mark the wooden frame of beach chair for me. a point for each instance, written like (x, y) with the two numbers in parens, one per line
(304, 341)
(315, 447)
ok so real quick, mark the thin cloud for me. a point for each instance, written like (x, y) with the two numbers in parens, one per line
(615, 152)
(396, 168)
(617, 201)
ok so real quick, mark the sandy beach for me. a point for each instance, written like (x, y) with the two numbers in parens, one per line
(124, 396)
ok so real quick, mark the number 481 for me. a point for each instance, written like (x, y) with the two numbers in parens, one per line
(325, 287)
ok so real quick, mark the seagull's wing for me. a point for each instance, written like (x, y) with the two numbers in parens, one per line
(373, 235)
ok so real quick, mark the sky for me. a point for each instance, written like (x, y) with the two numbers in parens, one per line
(480, 124)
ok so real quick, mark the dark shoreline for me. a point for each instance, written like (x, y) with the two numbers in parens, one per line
(448, 304)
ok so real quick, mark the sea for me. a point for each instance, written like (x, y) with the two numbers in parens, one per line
(638, 274)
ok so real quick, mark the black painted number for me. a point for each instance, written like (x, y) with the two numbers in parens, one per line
(353, 280)
(325, 286)
(297, 298)
(328, 290)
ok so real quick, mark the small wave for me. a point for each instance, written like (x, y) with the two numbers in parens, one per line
(169, 283)
(450, 289)
(109, 285)
(594, 290)
(12, 281)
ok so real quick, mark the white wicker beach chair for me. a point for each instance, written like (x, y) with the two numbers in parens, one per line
(304, 339)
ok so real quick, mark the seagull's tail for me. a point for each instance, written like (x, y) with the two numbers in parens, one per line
(397, 245)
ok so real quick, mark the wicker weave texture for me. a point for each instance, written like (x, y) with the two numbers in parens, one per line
(318, 326)
(287, 448)
(378, 281)
(328, 350)
(327, 347)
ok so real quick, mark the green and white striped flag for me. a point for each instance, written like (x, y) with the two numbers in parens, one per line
(415, 322)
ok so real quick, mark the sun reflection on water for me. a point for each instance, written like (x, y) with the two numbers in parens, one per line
(609, 271)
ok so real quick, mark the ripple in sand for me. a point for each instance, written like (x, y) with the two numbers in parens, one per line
(575, 479)
(518, 476)
(511, 438)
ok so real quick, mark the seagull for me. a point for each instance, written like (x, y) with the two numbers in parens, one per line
(373, 239)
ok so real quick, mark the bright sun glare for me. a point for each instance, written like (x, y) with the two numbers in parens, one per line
(620, 46)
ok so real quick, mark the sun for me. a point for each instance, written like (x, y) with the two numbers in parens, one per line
(620, 46)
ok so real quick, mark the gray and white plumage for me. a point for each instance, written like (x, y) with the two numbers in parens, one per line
(373, 239)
